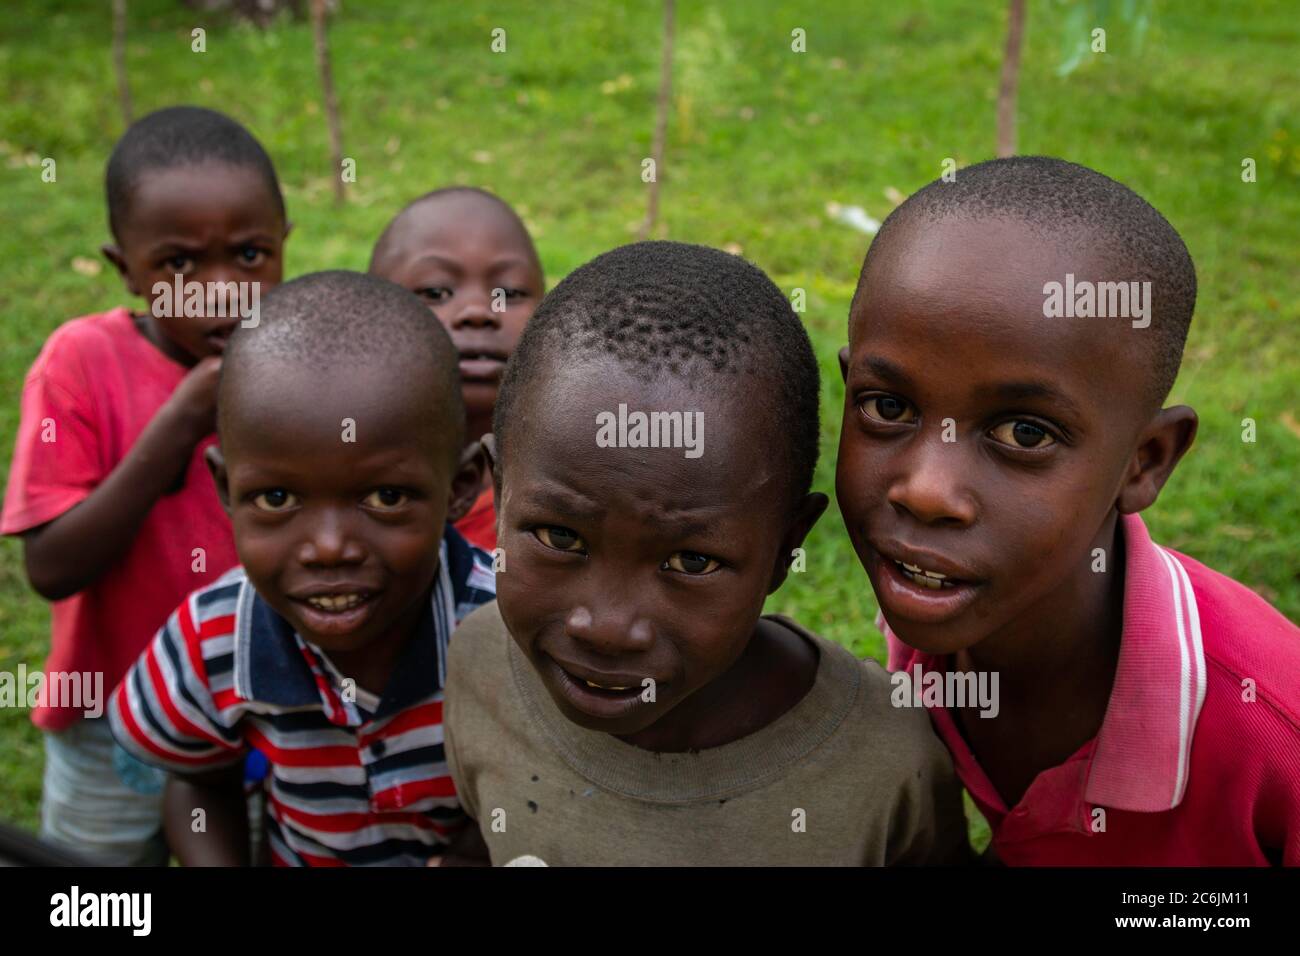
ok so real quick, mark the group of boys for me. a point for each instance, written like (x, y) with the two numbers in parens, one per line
(373, 564)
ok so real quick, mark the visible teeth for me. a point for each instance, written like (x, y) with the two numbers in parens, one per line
(335, 602)
(928, 579)
(603, 687)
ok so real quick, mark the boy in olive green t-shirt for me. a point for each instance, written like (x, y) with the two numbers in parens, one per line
(624, 702)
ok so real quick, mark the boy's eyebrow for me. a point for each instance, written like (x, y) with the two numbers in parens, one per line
(884, 368)
(498, 265)
(170, 242)
(563, 502)
(1021, 391)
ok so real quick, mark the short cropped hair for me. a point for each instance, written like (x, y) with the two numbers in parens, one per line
(1074, 204)
(181, 136)
(390, 232)
(326, 319)
(675, 308)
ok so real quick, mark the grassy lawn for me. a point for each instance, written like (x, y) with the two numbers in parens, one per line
(760, 141)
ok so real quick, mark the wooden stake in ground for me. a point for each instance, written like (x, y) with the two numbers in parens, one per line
(119, 58)
(1010, 85)
(661, 121)
(327, 86)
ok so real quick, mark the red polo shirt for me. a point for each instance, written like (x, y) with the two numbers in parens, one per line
(1197, 761)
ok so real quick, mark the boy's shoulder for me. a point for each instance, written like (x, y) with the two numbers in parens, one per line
(872, 716)
(1247, 642)
(86, 337)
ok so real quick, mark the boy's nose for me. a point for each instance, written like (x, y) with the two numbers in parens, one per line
(932, 486)
(474, 310)
(611, 628)
(330, 543)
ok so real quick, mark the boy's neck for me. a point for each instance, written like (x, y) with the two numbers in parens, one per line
(775, 671)
(1071, 632)
(147, 327)
(372, 666)
(1056, 667)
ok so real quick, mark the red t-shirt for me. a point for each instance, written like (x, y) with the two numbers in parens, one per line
(479, 526)
(1197, 761)
(96, 384)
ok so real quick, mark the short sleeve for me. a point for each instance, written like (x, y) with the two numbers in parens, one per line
(57, 459)
(929, 825)
(464, 790)
(164, 712)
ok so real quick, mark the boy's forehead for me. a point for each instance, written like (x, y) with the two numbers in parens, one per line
(984, 290)
(740, 451)
(460, 219)
(194, 195)
(336, 403)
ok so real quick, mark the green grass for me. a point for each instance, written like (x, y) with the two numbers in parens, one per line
(761, 139)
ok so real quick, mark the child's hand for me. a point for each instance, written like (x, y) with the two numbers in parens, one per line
(67, 554)
(193, 406)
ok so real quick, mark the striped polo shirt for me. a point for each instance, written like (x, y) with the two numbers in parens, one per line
(1197, 760)
(354, 780)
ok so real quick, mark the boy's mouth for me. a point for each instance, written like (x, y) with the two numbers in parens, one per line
(218, 338)
(336, 612)
(481, 365)
(602, 696)
(927, 579)
(910, 588)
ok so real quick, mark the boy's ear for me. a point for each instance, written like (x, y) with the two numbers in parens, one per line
(489, 443)
(806, 515)
(468, 482)
(216, 463)
(844, 363)
(115, 255)
(1160, 447)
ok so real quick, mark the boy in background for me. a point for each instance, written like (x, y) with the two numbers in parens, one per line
(470, 258)
(108, 490)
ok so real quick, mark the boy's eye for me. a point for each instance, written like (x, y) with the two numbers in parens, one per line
(434, 293)
(251, 255)
(1022, 434)
(691, 562)
(561, 539)
(181, 264)
(887, 408)
(515, 293)
(277, 499)
(386, 499)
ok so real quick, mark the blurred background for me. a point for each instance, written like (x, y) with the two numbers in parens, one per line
(788, 157)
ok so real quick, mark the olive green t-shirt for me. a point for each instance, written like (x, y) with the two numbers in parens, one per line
(842, 778)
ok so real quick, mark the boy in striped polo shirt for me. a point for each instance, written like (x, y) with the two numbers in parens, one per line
(997, 449)
(341, 463)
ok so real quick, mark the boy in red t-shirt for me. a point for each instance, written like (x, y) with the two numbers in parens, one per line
(470, 257)
(108, 488)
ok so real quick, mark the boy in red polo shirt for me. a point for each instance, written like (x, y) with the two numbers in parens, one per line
(108, 488)
(1012, 339)
(469, 256)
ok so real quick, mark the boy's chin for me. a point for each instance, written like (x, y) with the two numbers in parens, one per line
(336, 631)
